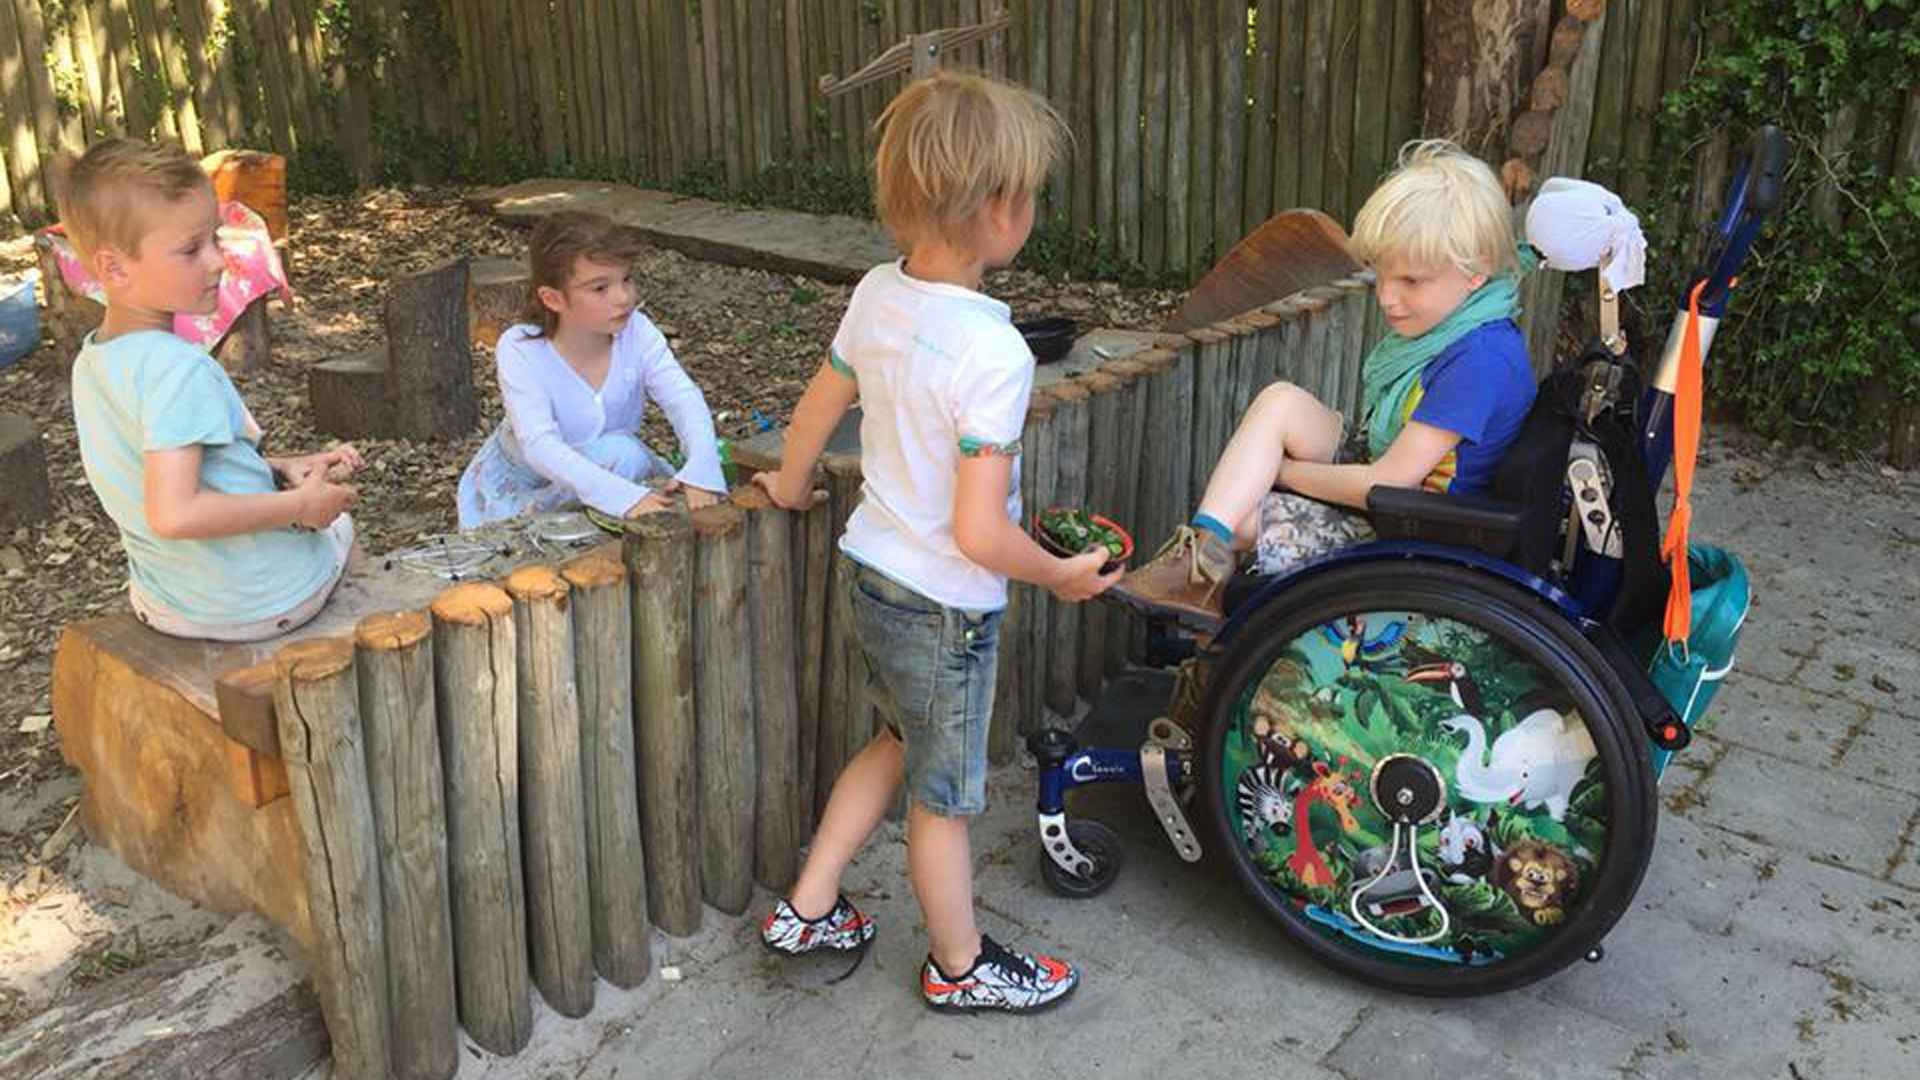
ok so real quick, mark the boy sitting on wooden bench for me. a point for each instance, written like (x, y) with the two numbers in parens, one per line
(221, 542)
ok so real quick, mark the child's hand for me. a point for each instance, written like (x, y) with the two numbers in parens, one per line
(340, 462)
(1080, 577)
(696, 497)
(655, 502)
(322, 500)
(778, 490)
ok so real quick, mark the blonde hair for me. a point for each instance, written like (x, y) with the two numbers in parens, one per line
(107, 196)
(1441, 207)
(560, 240)
(951, 141)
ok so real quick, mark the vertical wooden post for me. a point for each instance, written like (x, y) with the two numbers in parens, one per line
(320, 742)
(1292, 338)
(1036, 644)
(1255, 368)
(776, 733)
(1355, 298)
(1154, 503)
(840, 699)
(1103, 480)
(1183, 495)
(1131, 415)
(723, 707)
(814, 542)
(1003, 729)
(1208, 436)
(393, 654)
(552, 807)
(1311, 374)
(1070, 489)
(616, 856)
(659, 558)
(475, 691)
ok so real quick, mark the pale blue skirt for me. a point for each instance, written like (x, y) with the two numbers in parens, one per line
(499, 484)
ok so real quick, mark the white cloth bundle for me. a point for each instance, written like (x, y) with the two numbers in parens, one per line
(1578, 225)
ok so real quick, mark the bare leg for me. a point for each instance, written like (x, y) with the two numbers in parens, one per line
(940, 862)
(860, 799)
(1283, 422)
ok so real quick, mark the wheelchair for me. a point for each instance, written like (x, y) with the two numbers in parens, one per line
(1432, 758)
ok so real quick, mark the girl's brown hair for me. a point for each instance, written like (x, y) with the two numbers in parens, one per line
(562, 239)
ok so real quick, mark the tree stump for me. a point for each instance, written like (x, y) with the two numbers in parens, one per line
(419, 383)
(321, 742)
(23, 473)
(394, 656)
(475, 687)
(616, 862)
(659, 558)
(496, 297)
(723, 707)
(553, 815)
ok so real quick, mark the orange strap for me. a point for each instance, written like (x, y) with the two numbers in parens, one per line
(1686, 447)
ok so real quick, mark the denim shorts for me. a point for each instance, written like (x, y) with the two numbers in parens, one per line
(931, 671)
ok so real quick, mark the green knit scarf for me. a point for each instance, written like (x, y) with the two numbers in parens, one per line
(1393, 368)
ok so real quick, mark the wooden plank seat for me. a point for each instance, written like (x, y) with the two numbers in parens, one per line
(176, 745)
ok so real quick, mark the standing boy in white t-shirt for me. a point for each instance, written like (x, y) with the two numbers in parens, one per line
(943, 380)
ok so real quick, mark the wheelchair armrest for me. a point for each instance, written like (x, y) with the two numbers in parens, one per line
(1475, 521)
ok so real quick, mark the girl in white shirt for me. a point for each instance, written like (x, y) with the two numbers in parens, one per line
(576, 378)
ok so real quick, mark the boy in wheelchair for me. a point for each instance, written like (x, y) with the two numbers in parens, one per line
(1446, 392)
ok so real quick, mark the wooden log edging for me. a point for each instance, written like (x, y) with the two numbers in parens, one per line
(845, 716)
(1069, 449)
(776, 716)
(616, 854)
(553, 811)
(1129, 422)
(725, 763)
(1209, 402)
(659, 558)
(393, 655)
(1038, 484)
(475, 688)
(318, 712)
(1103, 481)
(813, 548)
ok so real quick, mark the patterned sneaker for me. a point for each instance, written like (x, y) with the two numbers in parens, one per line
(843, 928)
(1000, 979)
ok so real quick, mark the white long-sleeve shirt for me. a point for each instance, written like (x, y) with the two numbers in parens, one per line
(551, 411)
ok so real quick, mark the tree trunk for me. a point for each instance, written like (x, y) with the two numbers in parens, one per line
(1480, 57)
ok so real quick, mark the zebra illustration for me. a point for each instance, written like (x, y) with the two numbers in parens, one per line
(1265, 809)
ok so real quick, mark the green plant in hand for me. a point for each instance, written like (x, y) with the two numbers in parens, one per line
(1073, 529)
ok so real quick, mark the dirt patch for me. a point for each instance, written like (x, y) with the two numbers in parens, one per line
(749, 338)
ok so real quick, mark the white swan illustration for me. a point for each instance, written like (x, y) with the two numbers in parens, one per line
(1535, 764)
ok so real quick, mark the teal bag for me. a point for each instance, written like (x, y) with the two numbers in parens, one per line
(1688, 673)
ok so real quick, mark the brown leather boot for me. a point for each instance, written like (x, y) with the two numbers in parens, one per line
(1184, 582)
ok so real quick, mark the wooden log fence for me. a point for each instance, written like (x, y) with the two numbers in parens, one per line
(511, 789)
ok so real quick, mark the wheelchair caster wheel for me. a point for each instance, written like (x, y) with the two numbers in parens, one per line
(1101, 846)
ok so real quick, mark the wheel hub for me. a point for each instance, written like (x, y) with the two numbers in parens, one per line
(1407, 790)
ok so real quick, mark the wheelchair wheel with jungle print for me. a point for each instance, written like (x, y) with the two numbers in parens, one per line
(1427, 776)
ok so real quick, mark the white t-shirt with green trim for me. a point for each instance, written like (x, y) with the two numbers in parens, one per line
(943, 375)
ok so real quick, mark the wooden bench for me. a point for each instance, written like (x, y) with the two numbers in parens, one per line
(176, 744)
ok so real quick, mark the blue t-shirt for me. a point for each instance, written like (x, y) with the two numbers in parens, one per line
(1480, 389)
(154, 391)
